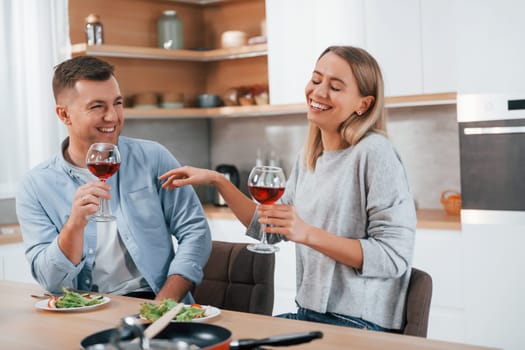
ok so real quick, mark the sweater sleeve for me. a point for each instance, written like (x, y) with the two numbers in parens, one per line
(388, 247)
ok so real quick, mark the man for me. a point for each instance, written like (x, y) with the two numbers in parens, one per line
(133, 255)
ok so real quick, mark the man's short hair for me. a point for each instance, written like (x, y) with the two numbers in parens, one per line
(78, 68)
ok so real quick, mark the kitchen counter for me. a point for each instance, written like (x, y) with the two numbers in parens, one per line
(10, 234)
(25, 327)
(436, 219)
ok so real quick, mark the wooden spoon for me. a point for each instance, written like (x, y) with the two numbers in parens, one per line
(162, 322)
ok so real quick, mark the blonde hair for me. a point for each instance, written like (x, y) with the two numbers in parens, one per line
(370, 83)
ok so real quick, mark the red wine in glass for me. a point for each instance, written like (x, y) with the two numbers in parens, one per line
(266, 195)
(103, 170)
(103, 160)
(266, 185)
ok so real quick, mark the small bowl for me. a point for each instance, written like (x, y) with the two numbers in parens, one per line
(233, 38)
(209, 101)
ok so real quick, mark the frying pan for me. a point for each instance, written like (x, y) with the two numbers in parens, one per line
(203, 335)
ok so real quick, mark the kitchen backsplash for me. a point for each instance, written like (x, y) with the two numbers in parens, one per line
(425, 137)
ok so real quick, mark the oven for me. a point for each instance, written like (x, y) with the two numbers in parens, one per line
(492, 157)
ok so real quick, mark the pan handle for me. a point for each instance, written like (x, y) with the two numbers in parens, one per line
(278, 340)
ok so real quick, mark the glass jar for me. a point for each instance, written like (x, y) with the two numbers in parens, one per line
(169, 27)
(93, 27)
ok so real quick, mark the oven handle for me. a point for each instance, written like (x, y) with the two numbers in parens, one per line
(494, 130)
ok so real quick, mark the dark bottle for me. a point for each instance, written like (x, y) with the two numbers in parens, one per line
(94, 32)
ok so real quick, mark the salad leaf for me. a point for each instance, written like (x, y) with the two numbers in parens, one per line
(72, 299)
(152, 312)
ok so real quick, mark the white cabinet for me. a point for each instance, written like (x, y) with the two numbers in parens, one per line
(298, 31)
(393, 37)
(233, 231)
(13, 264)
(438, 38)
(414, 42)
(440, 253)
(489, 46)
(494, 294)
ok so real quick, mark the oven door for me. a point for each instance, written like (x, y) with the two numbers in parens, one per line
(492, 158)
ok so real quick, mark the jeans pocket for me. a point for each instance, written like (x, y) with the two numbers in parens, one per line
(348, 321)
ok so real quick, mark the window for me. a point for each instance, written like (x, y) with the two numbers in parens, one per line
(34, 37)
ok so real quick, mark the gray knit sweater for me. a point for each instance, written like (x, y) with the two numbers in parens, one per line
(361, 193)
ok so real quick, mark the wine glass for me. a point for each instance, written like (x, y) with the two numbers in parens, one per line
(103, 160)
(266, 185)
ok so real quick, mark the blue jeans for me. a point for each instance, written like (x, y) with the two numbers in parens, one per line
(335, 319)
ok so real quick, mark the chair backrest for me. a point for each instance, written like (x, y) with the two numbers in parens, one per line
(237, 279)
(419, 296)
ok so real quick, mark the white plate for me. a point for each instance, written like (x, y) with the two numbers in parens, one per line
(42, 305)
(211, 312)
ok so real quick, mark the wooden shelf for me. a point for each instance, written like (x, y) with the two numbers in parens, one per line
(175, 55)
(274, 110)
(446, 98)
(219, 112)
(201, 2)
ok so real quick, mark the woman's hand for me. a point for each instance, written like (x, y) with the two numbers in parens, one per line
(289, 224)
(284, 221)
(187, 175)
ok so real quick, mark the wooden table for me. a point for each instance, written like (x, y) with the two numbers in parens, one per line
(22, 326)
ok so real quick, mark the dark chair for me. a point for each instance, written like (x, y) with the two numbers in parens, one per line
(419, 296)
(237, 279)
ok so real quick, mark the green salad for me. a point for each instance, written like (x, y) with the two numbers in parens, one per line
(152, 312)
(72, 299)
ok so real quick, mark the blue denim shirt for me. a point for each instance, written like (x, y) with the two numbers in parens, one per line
(147, 217)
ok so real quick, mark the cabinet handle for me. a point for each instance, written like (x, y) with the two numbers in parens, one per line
(495, 130)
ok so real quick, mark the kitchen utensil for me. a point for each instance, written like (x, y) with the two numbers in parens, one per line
(131, 336)
(232, 174)
(233, 38)
(209, 101)
(161, 323)
(172, 100)
(43, 296)
(204, 335)
(145, 100)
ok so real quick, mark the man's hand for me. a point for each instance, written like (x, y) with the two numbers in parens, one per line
(176, 287)
(85, 203)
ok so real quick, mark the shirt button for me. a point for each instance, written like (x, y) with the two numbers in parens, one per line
(90, 251)
(87, 281)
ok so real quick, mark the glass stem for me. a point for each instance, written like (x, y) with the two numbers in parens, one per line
(104, 209)
(264, 236)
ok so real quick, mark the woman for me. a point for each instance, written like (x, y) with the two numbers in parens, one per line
(347, 202)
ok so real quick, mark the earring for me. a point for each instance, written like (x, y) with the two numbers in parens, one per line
(359, 113)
